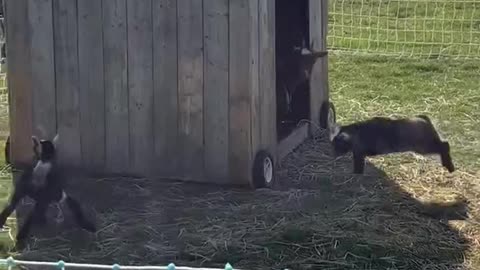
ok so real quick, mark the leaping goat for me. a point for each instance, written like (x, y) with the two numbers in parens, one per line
(382, 135)
(43, 183)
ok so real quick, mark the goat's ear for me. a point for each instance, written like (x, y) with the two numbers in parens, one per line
(55, 140)
(35, 141)
(306, 51)
(345, 137)
(333, 131)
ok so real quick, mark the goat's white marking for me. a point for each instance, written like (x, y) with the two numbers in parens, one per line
(55, 140)
(60, 217)
(333, 131)
(64, 197)
(40, 172)
(35, 140)
(306, 51)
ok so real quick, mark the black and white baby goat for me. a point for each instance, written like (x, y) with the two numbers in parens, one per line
(44, 184)
(382, 135)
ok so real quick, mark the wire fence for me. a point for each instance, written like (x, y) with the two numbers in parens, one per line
(406, 28)
(10, 263)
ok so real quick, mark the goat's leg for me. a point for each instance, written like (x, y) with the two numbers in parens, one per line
(7, 211)
(445, 156)
(358, 162)
(78, 214)
(59, 218)
(37, 215)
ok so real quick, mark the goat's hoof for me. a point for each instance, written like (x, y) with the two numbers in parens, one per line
(90, 228)
(20, 245)
(450, 168)
(59, 220)
(21, 238)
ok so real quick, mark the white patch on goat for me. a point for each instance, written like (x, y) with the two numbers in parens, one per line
(64, 197)
(333, 131)
(55, 140)
(59, 207)
(40, 172)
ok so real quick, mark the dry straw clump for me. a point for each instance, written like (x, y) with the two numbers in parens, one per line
(318, 217)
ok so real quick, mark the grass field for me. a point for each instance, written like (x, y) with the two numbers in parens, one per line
(447, 91)
(364, 223)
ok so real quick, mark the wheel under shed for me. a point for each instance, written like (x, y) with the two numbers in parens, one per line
(196, 90)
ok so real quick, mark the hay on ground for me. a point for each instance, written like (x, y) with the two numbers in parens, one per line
(318, 217)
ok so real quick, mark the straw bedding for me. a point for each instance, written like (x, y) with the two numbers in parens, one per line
(318, 217)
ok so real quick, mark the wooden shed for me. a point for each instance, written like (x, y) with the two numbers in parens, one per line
(182, 89)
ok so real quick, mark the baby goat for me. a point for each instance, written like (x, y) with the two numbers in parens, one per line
(43, 183)
(382, 135)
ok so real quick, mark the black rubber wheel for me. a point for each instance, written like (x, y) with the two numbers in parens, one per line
(327, 115)
(263, 170)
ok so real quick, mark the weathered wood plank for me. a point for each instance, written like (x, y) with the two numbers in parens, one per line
(315, 24)
(19, 81)
(165, 86)
(318, 86)
(190, 88)
(140, 80)
(239, 96)
(67, 81)
(324, 20)
(255, 116)
(292, 141)
(116, 85)
(267, 75)
(326, 95)
(43, 67)
(216, 89)
(92, 94)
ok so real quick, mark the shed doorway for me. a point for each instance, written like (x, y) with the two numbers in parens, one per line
(293, 64)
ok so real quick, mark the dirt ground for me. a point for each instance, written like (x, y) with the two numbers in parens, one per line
(318, 217)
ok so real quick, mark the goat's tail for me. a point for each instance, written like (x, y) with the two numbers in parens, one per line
(424, 117)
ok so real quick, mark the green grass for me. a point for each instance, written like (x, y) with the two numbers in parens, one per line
(448, 92)
(6, 243)
(431, 82)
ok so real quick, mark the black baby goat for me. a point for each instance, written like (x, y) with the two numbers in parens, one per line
(383, 135)
(44, 184)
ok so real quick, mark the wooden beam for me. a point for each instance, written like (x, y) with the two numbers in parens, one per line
(91, 75)
(19, 81)
(254, 79)
(117, 131)
(67, 81)
(43, 68)
(190, 89)
(267, 75)
(165, 86)
(292, 141)
(240, 151)
(140, 82)
(216, 67)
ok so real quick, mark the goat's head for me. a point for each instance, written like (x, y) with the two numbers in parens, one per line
(45, 150)
(341, 140)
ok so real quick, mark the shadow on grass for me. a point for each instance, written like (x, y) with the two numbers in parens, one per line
(318, 216)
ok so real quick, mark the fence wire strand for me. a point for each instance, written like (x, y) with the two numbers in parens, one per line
(406, 28)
